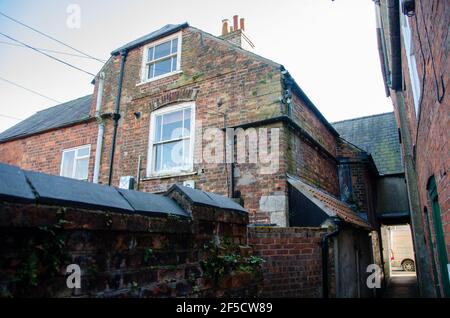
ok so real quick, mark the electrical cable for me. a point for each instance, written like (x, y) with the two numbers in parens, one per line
(50, 37)
(28, 89)
(48, 55)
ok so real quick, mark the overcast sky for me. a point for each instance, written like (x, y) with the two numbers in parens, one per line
(328, 46)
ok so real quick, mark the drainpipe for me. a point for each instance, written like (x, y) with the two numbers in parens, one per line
(382, 52)
(101, 128)
(395, 44)
(324, 244)
(116, 114)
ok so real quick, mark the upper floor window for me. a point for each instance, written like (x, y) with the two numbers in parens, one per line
(412, 64)
(75, 162)
(161, 58)
(171, 140)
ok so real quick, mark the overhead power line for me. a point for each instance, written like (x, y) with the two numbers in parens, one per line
(47, 50)
(28, 89)
(48, 55)
(50, 37)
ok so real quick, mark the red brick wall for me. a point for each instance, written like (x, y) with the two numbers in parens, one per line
(306, 119)
(249, 89)
(120, 255)
(43, 152)
(310, 164)
(429, 129)
(293, 261)
(363, 179)
(430, 132)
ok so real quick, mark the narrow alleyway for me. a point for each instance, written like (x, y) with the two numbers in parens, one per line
(402, 286)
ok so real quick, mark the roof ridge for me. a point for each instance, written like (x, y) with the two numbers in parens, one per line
(72, 100)
(260, 57)
(362, 117)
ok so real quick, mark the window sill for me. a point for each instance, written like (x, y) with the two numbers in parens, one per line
(169, 175)
(159, 77)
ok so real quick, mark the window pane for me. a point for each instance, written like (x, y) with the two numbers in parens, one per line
(174, 45)
(81, 169)
(158, 127)
(162, 67)
(157, 157)
(162, 50)
(150, 54)
(67, 163)
(187, 122)
(83, 152)
(174, 63)
(169, 156)
(150, 71)
(187, 152)
(172, 125)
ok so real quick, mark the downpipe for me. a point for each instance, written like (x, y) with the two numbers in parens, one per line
(324, 244)
(116, 114)
(101, 128)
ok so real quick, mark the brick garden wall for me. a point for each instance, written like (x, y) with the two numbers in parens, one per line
(120, 255)
(293, 261)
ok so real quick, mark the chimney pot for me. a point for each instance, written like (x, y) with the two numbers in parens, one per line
(242, 24)
(225, 26)
(235, 22)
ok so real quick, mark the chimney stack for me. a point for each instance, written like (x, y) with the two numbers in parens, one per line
(235, 34)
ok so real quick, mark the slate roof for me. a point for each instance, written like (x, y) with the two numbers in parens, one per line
(328, 204)
(164, 31)
(377, 135)
(24, 186)
(57, 116)
(200, 197)
(19, 185)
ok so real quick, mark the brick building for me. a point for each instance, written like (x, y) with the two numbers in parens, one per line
(414, 44)
(181, 106)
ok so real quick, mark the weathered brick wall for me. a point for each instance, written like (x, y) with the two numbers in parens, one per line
(43, 152)
(312, 165)
(306, 119)
(248, 87)
(293, 261)
(120, 255)
(430, 130)
(363, 179)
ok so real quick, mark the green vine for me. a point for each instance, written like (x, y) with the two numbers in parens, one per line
(225, 258)
(42, 256)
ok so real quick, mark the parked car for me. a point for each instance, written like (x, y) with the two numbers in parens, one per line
(402, 250)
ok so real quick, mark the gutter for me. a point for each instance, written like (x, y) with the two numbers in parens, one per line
(324, 244)
(395, 55)
(101, 128)
(116, 114)
(381, 43)
(290, 83)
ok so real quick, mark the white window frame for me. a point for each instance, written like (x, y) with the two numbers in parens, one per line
(144, 69)
(76, 157)
(151, 156)
(412, 64)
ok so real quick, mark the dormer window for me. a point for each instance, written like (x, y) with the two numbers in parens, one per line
(161, 58)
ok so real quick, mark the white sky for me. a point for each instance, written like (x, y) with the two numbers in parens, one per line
(328, 46)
